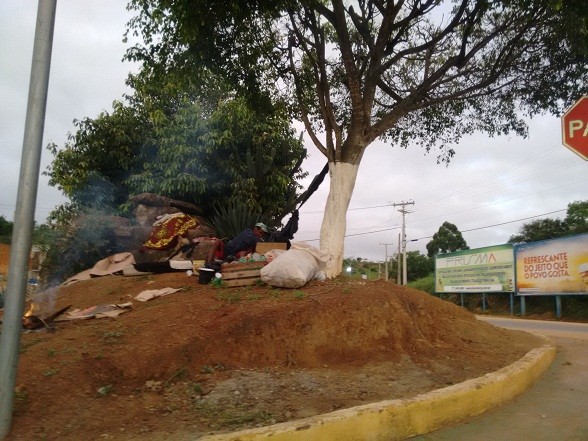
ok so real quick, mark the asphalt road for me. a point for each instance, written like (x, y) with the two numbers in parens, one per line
(554, 409)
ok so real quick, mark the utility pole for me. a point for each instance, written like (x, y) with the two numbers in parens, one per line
(386, 262)
(403, 210)
(25, 209)
(398, 262)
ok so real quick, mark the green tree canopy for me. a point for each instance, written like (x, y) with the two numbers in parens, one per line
(577, 217)
(418, 265)
(92, 167)
(184, 151)
(446, 240)
(5, 230)
(421, 70)
(575, 222)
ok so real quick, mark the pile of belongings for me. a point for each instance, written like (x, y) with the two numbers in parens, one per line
(295, 267)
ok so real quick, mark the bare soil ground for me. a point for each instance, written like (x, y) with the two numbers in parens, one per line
(208, 359)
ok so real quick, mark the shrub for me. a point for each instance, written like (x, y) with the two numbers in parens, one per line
(425, 284)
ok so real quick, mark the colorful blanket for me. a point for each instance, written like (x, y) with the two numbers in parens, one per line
(165, 231)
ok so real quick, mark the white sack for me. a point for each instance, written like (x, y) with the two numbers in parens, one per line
(295, 267)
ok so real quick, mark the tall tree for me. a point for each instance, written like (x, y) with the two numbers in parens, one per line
(577, 217)
(446, 240)
(575, 222)
(540, 229)
(418, 70)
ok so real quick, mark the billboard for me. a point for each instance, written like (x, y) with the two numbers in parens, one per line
(489, 269)
(555, 266)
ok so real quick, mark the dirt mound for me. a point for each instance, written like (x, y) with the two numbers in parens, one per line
(4, 258)
(206, 359)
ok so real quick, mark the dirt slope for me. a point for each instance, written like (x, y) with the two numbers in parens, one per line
(206, 359)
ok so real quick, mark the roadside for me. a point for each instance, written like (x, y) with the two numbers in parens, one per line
(553, 409)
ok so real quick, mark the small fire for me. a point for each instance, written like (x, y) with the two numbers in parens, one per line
(32, 318)
(34, 309)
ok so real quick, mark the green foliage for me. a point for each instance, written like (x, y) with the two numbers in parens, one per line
(92, 167)
(576, 219)
(260, 155)
(416, 75)
(539, 229)
(232, 217)
(233, 152)
(447, 240)
(424, 72)
(575, 222)
(426, 283)
(44, 236)
(229, 296)
(181, 149)
(418, 265)
(574, 308)
(299, 295)
(5, 230)
(573, 26)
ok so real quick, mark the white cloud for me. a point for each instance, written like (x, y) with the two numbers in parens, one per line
(86, 76)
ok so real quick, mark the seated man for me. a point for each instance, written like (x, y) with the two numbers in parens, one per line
(243, 244)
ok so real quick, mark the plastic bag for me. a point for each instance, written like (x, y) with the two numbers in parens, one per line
(295, 267)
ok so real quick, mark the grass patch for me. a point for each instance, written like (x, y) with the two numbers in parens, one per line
(229, 296)
(112, 337)
(50, 372)
(426, 284)
(232, 415)
(178, 375)
(299, 295)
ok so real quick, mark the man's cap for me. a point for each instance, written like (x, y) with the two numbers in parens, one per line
(262, 226)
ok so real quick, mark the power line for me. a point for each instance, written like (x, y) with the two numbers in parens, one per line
(464, 231)
(497, 203)
(497, 225)
(350, 209)
(484, 181)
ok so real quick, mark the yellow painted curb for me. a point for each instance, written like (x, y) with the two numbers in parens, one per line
(399, 419)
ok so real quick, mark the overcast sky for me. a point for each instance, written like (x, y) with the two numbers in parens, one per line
(490, 183)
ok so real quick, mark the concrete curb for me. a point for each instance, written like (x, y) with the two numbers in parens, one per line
(400, 419)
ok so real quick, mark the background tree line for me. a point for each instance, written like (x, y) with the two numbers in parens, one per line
(449, 239)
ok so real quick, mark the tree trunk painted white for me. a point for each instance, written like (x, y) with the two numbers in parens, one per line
(343, 176)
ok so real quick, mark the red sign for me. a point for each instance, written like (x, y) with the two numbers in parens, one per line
(574, 124)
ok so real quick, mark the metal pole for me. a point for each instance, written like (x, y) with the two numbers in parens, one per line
(403, 211)
(403, 248)
(398, 263)
(25, 210)
(386, 262)
(558, 306)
